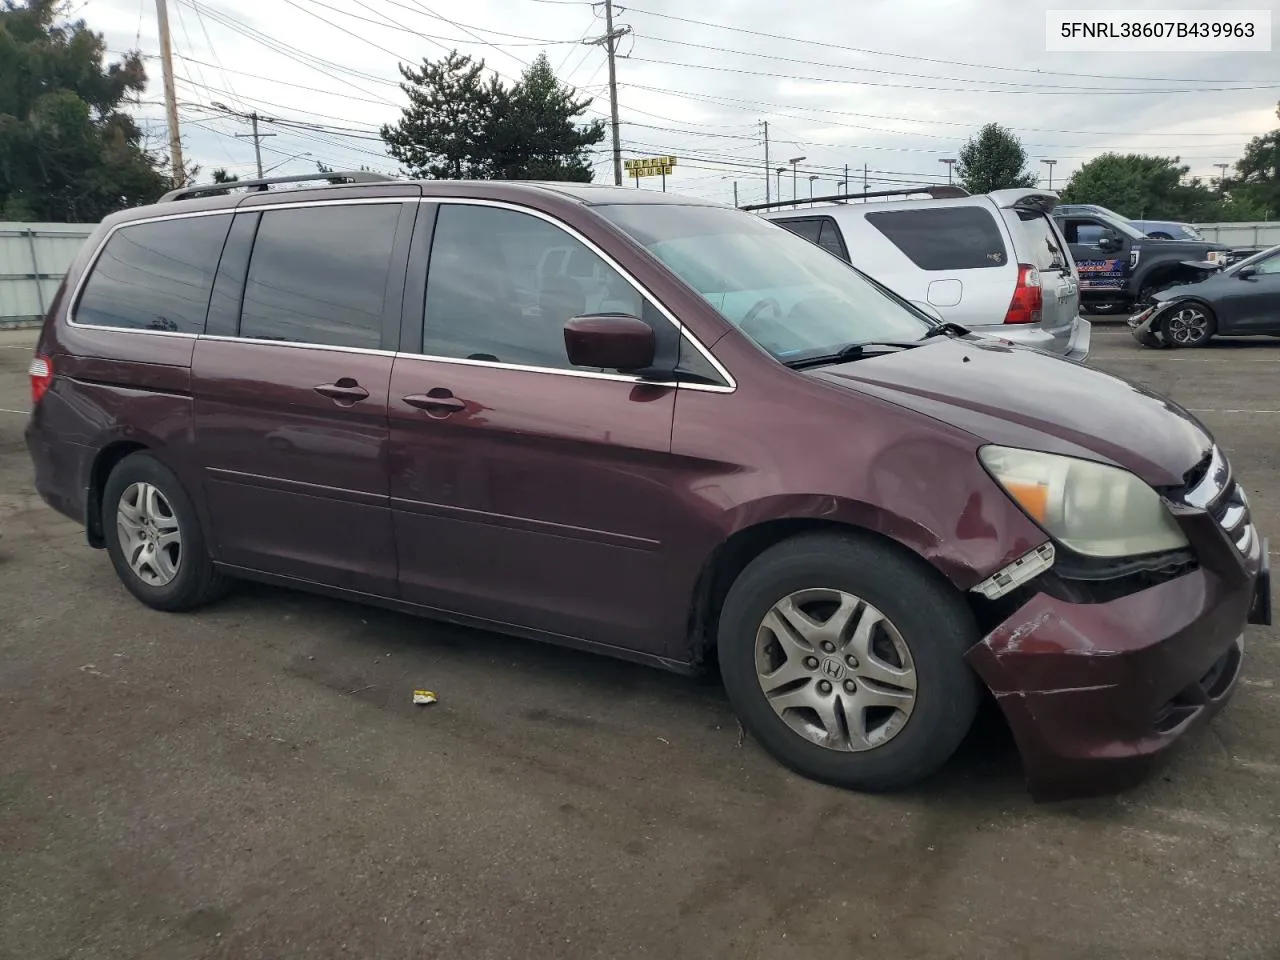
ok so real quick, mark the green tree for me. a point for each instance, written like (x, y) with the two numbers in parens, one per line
(536, 130)
(993, 160)
(442, 132)
(1257, 180)
(461, 125)
(67, 151)
(1139, 186)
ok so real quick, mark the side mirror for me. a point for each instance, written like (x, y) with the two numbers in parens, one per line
(929, 310)
(1246, 273)
(611, 341)
(1109, 241)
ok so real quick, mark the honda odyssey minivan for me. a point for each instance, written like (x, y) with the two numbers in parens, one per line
(660, 429)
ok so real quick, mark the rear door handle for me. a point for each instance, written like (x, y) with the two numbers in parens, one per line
(439, 401)
(346, 391)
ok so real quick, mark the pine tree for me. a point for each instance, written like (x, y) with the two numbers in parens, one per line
(536, 129)
(442, 133)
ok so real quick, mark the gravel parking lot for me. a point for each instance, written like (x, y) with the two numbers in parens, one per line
(253, 781)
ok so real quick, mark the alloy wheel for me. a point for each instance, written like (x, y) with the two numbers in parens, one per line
(150, 536)
(1188, 327)
(835, 670)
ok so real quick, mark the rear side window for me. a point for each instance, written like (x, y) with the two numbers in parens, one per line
(1039, 243)
(319, 275)
(820, 230)
(155, 276)
(944, 238)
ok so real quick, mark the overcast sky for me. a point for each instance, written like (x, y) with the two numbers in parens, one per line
(892, 85)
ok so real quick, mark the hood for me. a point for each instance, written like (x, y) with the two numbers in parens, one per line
(1209, 289)
(1189, 249)
(1019, 397)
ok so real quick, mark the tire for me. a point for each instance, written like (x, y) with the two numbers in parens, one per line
(181, 575)
(876, 749)
(1189, 325)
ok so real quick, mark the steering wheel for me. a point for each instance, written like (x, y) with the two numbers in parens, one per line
(758, 308)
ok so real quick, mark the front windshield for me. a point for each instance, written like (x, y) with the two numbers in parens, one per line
(789, 295)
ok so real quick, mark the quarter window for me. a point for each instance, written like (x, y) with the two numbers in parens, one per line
(944, 238)
(155, 276)
(501, 285)
(320, 275)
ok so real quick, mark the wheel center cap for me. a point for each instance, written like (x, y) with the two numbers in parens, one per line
(832, 669)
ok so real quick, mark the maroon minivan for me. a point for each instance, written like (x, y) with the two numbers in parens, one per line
(661, 429)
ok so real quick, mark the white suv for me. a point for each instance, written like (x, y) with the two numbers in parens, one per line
(994, 263)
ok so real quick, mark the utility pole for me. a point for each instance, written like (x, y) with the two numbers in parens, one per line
(844, 184)
(767, 198)
(1222, 180)
(253, 118)
(865, 188)
(951, 162)
(179, 172)
(735, 190)
(610, 42)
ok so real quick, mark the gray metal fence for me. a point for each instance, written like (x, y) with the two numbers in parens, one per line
(34, 258)
(1253, 234)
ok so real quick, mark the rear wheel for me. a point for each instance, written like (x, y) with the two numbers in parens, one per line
(1188, 325)
(154, 539)
(844, 659)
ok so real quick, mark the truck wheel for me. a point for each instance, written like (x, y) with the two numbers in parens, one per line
(843, 658)
(1190, 325)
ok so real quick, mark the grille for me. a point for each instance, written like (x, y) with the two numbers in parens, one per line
(1215, 490)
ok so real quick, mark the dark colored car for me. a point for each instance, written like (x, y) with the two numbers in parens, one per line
(1241, 301)
(1121, 268)
(663, 430)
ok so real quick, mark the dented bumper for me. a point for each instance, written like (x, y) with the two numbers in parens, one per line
(1096, 694)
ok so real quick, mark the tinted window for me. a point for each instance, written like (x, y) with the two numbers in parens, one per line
(809, 229)
(1039, 242)
(1083, 231)
(319, 275)
(502, 284)
(155, 276)
(831, 241)
(944, 238)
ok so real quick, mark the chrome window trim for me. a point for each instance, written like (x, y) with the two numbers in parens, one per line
(729, 386)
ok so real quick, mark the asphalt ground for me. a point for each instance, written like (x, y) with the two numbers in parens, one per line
(252, 781)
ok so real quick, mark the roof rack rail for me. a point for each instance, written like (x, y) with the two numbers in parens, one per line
(196, 190)
(937, 192)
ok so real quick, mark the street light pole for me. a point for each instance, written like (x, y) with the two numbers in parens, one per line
(811, 179)
(781, 171)
(793, 161)
(1049, 164)
(950, 162)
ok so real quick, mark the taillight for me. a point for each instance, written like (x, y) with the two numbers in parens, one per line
(1027, 304)
(41, 371)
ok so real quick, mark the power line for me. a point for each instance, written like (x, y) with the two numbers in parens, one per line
(902, 56)
(915, 86)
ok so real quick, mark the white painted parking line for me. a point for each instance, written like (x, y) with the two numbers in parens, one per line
(20, 413)
(1275, 358)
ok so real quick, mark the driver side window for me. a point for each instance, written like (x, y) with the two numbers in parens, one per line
(1083, 230)
(1269, 266)
(502, 284)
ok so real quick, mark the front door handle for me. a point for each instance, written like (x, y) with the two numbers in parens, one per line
(439, 401)
(346, 391)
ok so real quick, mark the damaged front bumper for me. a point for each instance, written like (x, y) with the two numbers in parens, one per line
(1144, 326)
(1097, 693)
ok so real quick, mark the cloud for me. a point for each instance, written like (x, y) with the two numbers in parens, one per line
(889, 85)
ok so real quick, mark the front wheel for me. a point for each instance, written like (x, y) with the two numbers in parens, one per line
(1189, 325)
(844, 659)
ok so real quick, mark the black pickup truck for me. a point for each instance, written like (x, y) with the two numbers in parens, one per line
(1121, 268)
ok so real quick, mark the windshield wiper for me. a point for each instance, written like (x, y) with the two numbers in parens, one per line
(947, 328)
(852, 351)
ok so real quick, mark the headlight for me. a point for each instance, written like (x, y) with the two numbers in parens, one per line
(1091, 508)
